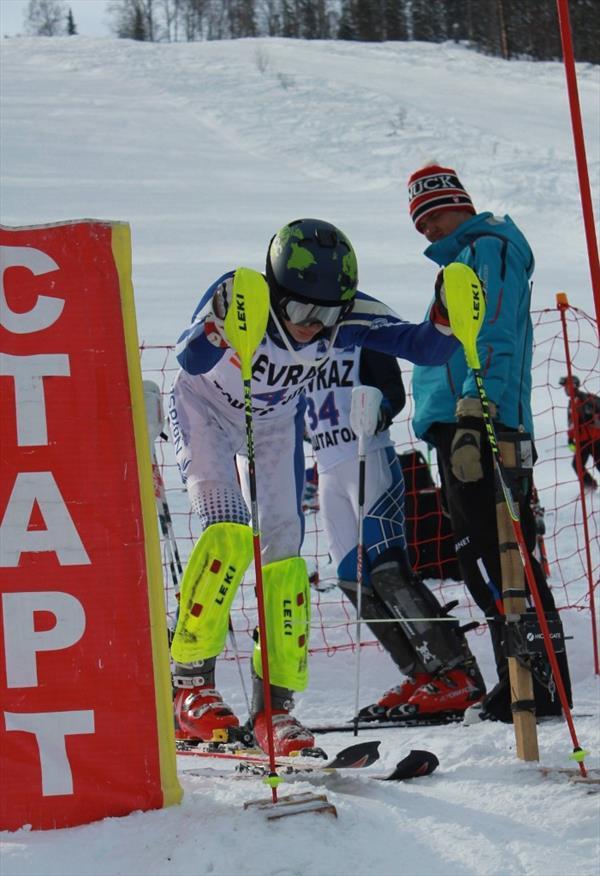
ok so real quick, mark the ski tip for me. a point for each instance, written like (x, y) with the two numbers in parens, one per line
(360, 755)
(417, 763)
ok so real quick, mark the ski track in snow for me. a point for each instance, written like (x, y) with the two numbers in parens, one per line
(206, 149)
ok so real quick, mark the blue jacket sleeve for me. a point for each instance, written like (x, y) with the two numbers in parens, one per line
(201, 345)
(422, 344)
(375, 326)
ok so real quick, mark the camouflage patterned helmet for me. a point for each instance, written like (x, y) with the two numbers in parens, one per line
(312, 260)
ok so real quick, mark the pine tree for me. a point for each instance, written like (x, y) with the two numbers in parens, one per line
(368, 20)
(394, 20)
(585, 24)
(427, 20)
(485, 29)
(271, 19)
(290, 25)
(135, 19)
(241, 18)
(347, 26)
(71, 26)
(309, 26)
(314, 20)
(533, 30)
(457, 20)
(138, 31)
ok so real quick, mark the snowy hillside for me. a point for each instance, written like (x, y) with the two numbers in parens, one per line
(206, 149)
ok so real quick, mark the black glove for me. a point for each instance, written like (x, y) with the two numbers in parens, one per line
(439, 311)
(384, 417)
(465, 452)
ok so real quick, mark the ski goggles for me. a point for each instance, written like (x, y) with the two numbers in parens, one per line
(309, 313)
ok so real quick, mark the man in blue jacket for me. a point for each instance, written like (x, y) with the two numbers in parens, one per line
(448, 411)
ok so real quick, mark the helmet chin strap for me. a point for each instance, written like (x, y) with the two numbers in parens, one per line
(301, 360)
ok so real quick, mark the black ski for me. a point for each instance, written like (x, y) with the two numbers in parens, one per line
(417, 763)
(422, 721)
(438, 720)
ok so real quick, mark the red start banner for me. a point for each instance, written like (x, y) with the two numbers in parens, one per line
(85, 722)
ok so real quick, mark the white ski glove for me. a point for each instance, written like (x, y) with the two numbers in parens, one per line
(214, 328)
(364, 410)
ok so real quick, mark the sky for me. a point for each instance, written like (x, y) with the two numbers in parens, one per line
(90, 17)
(206, 149)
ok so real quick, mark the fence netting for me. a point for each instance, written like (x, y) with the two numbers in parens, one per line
(558, 502)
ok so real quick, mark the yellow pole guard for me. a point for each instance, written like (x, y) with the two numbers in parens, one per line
(287, 610)
(466, 307)
(209, 584)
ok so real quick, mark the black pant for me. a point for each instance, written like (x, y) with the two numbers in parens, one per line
(472, 510)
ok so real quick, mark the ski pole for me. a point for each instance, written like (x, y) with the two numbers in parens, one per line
(364, 410)
(466, 309)
(166, 524)
(245, 326)
(155, 421)
(540, 530)
(236, 652)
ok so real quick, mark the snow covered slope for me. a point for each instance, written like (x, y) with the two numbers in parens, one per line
(206, 149)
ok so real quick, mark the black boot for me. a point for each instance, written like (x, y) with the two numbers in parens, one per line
(496, 706)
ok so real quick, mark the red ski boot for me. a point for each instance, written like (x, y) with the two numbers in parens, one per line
(395, 696)
(288, 734)
(454, 691)
(199, 712)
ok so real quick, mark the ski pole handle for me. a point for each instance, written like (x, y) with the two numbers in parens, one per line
(155, 417)
(364, 413)
(465, 301)
(246, 320)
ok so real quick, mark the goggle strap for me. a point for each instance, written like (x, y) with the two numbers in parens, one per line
(300, 360)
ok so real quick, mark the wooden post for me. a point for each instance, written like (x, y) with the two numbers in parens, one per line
(513, 589)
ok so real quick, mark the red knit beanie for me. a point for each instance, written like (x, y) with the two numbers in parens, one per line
(436, 188)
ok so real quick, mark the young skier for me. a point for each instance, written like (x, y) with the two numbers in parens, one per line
(312, 277)
(423, 650)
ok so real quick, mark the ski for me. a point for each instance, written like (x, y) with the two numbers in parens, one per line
(417, 763)
(354, 757)
(440, 719)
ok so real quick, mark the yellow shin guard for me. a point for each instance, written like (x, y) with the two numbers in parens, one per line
(287, 611)
(210, 581)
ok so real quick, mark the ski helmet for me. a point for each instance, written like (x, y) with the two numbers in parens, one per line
(312, 272)
(576, 381)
